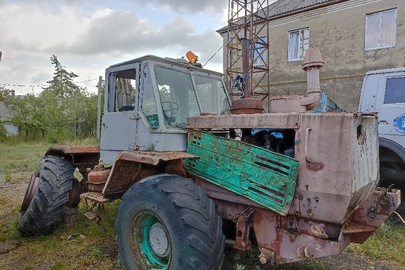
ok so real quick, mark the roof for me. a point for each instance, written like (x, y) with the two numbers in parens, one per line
(286, 7)
(182, 63)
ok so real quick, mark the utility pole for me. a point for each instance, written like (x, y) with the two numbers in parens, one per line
(100, 79)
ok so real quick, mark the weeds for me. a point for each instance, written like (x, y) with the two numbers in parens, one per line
(97, 254)
(97, 249)
(386, 243)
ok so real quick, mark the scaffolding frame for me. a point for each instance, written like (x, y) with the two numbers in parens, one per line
(247, 20)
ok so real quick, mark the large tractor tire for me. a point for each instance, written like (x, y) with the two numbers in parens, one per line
(167, 222)
(46, 196)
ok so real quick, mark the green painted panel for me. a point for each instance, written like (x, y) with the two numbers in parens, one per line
(256, 173)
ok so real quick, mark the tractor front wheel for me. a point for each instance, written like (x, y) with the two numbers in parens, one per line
(167, 222)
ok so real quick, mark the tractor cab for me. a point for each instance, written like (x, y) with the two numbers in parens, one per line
(147, 102)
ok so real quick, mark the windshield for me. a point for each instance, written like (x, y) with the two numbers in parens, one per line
(178, 95)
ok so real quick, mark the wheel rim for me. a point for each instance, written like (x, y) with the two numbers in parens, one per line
(150, 243)
(29, 194)
(158, 240)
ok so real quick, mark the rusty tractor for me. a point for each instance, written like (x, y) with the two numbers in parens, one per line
(194, 171)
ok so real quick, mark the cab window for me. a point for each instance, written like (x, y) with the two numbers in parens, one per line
(149, 107)
(122, 91)
(211, 93)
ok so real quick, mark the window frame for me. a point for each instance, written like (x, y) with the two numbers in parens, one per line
(380, 29)
(302, 45)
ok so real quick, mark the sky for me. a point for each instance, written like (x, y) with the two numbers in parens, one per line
(88, 36)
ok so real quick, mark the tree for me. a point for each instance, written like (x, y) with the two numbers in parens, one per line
(62, 84)
(63, 110)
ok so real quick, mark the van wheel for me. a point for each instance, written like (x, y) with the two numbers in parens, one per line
(167, 222)
(46, 196)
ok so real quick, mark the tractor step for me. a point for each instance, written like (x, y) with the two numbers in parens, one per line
(95, 207)
(94, 197)
(91, 215)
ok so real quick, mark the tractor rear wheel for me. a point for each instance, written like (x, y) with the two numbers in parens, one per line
(46, 196)
(167, 222)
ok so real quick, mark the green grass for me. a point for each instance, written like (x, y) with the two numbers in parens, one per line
(15, 160)
(92, 249)
(387, 243)
(18, 159)
(96, 249)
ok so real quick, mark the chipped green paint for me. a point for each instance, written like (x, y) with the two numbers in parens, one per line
(262, 176)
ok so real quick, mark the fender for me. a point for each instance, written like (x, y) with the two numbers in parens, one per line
(81, 156)
(133, 166)
(393, 146)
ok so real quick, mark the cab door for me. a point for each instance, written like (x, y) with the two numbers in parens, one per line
(118, 127)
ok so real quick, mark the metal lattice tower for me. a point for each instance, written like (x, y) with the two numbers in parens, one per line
(248, 31)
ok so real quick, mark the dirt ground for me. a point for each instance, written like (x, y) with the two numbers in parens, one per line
(13, 253)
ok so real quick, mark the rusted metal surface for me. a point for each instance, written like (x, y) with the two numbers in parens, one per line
(74, 194)
(29, 194)
(247, 106)
(338, 164)
(152, 158)
(371, 213)
(265, 120)
(243, 223)
(280, 239)
(132, 166)
(72, 149)
(338, 153)
(98, 177)
(220, 193)
(95, 207)
(94, 197)
(82, 156)
(96, 180)
(263, 176)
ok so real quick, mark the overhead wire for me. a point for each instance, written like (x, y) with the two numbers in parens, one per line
(213, 55)
(40, 85)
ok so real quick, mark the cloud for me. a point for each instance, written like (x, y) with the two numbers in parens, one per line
(88, 36)
(187, 6)
(122, 32)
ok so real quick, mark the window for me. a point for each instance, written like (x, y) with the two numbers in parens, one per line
(260, 52)
(395, 91)
(177, 96)
(122, 91)
(212, 94)
(298, 43)
(381, 29)
(149, 107)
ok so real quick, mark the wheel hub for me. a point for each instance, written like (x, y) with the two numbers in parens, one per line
(158, 240)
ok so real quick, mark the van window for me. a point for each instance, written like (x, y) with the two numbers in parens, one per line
(395, 91)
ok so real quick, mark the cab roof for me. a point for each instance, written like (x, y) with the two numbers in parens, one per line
(182, 63)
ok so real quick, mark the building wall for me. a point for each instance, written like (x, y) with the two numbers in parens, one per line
(5, 113)
(339, 31)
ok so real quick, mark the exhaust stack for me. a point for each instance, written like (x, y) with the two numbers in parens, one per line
(313, 62)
